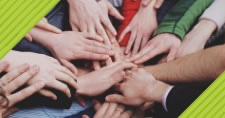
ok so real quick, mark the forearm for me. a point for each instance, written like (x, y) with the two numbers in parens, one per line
(205, 65)
(45, 38)
(181, 17)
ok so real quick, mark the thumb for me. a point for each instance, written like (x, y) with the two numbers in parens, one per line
(113, 12)
(116, 98)
(69, 65)
(43, 24)
(29, 37)
(172, 54)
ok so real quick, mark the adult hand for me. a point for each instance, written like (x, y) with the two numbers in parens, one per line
(111, 110)
(196, 39)
(93, 84)
(10, 82)
(94, 16)
(51, 72)
(157, 5)
(143, 24)
(138, 88)
(163, 43)
(43, 24)
(69, 46)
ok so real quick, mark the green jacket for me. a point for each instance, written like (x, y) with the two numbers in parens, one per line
(182, 16)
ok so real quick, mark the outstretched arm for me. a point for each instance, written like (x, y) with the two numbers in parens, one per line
(205, 65)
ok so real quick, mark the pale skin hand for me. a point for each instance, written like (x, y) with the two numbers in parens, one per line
(196, 39)
(143, 24)
(93, 84)
(51, 72)
(43, 24)
(93, 18)
(70, 45)
(157, 5)
(138, 88)
(110, 110)
(162, 43)
(12, 81)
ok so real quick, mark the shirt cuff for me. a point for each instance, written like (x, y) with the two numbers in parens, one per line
(164, 97)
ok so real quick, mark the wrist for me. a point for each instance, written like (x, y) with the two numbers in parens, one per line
(155, 92)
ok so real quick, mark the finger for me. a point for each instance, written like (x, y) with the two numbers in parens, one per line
(172, 54)
(137, 44)
(101, 31)
(3, 66)
(29, 37)
(100, 113)
(110, 110)
(60, 86)
(109, 61)
(74, 27)
(96, 65)
(163, 60)
(93, 37)
(130, 42)
(43, 24)
(69, 65)
(9, 111)
(21, 80)
(127, 114)
(119, 110)
(83, 27)
(97, 44)
(145, 3)
(107, 23)
(85, 116)
(147, 105)
(99, 50)
(114, 12)
(142, 53)
(13, 74)
(97, 105)
(116, 98)
(158, 3)
(93, 56)
(150, 55)
(65, 70)
(23, 94)
(117, 77)
(144, 42)
(119, 66)
(123, 34)
(67, 79)
(91, 29)
(48, 93)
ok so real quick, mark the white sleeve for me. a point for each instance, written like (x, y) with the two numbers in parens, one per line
(215, 13)
(164, 97)
(116, 3)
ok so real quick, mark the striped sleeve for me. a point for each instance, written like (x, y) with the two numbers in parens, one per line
(182, 16)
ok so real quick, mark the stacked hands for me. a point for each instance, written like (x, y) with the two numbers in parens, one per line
(93, 37)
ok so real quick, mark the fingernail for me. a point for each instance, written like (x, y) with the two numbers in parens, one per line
(35, 68)
(25, 67)
(54, 97)
(83, 104)
(69, 94)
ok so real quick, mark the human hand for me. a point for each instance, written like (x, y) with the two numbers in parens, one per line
(70, 45)
(196, 39)
(111, 110)
(143, 24)
(51, 72)
(139, 87)
(93, 84)
(14, 79)
(157, 5)
(163, 43)
(43, 24)
(93, 18)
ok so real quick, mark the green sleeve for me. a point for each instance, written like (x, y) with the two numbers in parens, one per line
(182, 16)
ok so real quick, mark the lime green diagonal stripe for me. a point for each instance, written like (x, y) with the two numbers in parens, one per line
(17, 17)
(211, 104)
